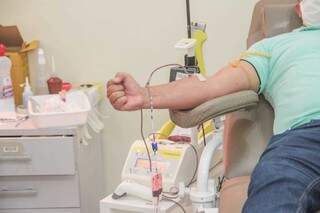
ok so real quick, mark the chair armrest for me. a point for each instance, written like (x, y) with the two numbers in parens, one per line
(214, 108)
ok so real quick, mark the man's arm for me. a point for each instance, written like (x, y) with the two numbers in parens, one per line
(191, 92)
(126, 95)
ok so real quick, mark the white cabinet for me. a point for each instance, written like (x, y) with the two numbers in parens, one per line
(39, 192)
(49, 171)
(37, 156)
(68, 210)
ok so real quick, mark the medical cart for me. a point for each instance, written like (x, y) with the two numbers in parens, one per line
(49, 170)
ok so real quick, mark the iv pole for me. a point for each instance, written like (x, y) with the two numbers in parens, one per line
(188, 18)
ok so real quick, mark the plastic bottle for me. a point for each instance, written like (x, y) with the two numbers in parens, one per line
(27, 93)
(42, 75)
(7, 107)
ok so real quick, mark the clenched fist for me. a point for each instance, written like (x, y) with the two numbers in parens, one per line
(125, 94)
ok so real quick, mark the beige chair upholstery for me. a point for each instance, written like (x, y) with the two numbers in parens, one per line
(233, 194)
(272, 17)
(245, 137)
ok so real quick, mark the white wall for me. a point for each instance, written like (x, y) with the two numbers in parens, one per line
(93, 39)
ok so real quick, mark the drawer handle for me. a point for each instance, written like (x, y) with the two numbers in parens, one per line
(15, 158)
(22, 192)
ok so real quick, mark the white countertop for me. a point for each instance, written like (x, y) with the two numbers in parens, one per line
(27, 128)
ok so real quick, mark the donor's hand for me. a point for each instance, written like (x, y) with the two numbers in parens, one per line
(125, 94)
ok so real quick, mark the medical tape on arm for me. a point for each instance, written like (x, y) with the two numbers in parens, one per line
(236, 63)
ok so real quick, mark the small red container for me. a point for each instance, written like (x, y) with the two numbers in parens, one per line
(54, 85)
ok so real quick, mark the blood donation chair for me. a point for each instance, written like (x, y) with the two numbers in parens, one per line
(249, 117)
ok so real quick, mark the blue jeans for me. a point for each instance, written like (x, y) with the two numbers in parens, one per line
(287, 177)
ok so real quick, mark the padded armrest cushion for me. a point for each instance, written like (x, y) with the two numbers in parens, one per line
(214, 108)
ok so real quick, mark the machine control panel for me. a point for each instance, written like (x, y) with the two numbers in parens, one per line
(174, 161)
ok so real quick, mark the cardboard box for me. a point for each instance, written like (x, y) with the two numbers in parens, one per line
(17, 51)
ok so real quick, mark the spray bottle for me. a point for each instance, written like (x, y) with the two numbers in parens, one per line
(7, 106)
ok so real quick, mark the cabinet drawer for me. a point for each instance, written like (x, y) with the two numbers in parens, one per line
(28, 192)
(37, 156)
(71, 210)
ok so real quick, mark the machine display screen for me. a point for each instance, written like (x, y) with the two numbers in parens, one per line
(144, 164)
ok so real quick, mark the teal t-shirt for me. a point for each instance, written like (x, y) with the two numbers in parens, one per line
(289, 73)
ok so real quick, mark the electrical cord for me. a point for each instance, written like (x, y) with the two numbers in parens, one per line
(141, 116)
(196, 169)
(175, 202)
(197, 156)
(197, 165)
(144, 141)
(170, 196)
(212, 168)
(193, 180)
(220, 182)
(161, 67)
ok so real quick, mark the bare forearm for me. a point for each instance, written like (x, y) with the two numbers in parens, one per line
(182, 94)
(191, 92)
